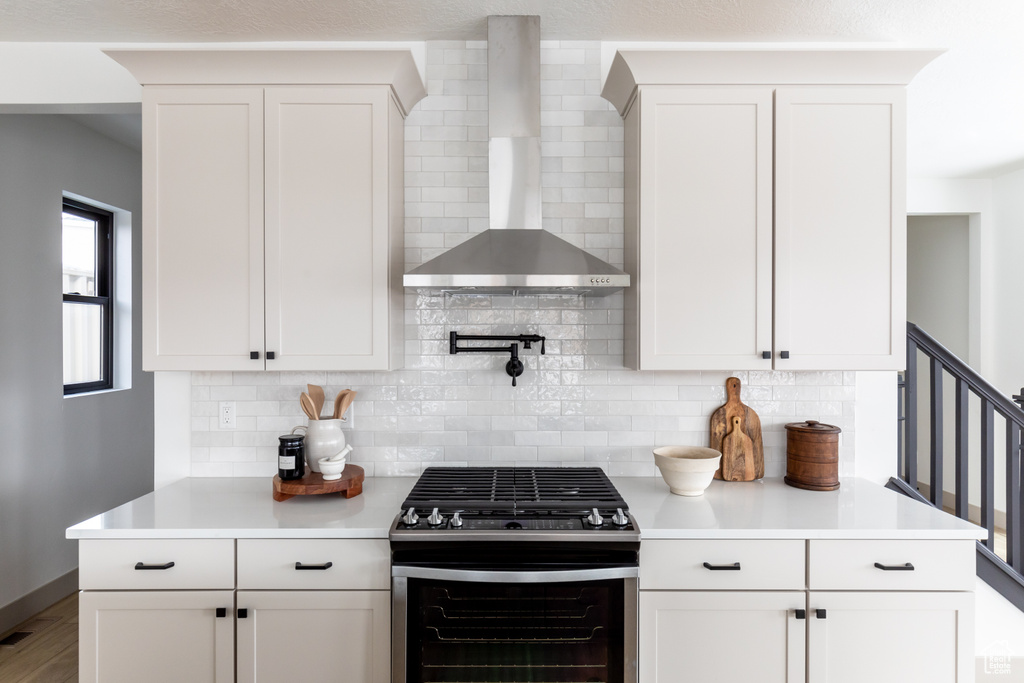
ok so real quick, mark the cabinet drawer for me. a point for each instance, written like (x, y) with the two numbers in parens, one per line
(851, 565)
(317, 564)
(704, 565)
(146, 564)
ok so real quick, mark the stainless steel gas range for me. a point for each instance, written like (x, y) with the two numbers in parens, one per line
(514, 574)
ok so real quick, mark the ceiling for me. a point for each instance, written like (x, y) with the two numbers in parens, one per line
(965, 110)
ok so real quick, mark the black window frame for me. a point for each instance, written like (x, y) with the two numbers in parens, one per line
(104, 292)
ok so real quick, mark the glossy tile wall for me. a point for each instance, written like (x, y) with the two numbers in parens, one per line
(575, 405)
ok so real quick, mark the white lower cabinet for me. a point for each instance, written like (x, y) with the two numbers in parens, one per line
(172, 610)
(314, 636)
(894, 637)
(885, 611)
(722, 636)
(156, 636)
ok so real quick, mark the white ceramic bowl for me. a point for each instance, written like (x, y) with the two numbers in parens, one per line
(331, 469)
(687, 470)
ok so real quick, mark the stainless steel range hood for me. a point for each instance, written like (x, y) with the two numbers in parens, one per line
(515, 255)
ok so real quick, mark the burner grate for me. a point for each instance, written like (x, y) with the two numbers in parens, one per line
(514, 488)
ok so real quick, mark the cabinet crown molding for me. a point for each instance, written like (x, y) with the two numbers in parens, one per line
(761, 66)
(395, 68)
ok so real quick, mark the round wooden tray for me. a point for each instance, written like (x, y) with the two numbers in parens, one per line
(313, 484)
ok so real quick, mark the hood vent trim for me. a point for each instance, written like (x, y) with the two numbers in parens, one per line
(515, 256)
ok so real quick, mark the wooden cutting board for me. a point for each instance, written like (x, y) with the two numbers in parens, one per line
(349, 486)
(745, 458)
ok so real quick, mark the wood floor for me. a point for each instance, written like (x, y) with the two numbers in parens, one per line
(50, 653)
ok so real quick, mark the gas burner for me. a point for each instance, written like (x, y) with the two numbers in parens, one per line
(537, 503)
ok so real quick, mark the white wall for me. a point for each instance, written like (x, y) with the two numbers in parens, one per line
(1008, 201)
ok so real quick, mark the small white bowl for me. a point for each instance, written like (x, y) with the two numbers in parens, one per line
(687, 470)
(331, 469)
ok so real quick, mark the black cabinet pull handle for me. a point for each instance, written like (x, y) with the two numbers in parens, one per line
(254, 355)
(783, 354)
(270, 355)
(140, 566)
(734, 567)
(222, 612)
(767, 355)
(325, 565)
(801, 614)
(819, 613)
(895, 567)
(243, 613)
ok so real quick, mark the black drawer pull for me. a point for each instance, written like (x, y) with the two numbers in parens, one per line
(243, 613)
(140, 566)
(895, 567)
(801, 614)
(734, 567)
(820, 613)
(222, 612)
(325, 565)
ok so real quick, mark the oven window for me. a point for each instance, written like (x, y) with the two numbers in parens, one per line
(511, 633)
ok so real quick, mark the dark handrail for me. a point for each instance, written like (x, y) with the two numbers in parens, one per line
(1003, 575)
(956, 367)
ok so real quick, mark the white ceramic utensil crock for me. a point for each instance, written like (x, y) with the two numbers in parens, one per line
(324, 439)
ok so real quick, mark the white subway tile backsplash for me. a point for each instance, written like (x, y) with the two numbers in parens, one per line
(576, 405)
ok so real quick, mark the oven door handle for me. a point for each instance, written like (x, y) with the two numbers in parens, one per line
(523, 576)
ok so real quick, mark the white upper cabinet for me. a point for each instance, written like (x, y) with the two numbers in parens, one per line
(202, 228)
(273, 234)
(329, 247)
(765, 220)
(704, 272)
(840, 227)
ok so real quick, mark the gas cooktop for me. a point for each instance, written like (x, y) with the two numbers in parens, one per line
(526, 503)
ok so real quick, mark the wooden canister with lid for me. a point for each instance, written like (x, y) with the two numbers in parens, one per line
(812, 455)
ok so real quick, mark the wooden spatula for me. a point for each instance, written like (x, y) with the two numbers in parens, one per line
(316, 393)
(307, 406)
(342, 402)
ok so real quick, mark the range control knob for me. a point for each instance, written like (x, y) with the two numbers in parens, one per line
(620, 518)
(456, 520)
(435, 518)
(595, 518)
(410, 518)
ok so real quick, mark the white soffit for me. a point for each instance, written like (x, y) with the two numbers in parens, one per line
(777, 65)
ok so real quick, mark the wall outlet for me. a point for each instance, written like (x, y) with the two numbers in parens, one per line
(226, 415)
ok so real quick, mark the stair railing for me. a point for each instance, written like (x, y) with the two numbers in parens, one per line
(1004, 576)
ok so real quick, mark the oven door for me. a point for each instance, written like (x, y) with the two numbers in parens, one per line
(488, 626)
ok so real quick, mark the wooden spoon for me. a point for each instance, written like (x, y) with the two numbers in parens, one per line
(316, 393)
(342, 402)
(307, 406)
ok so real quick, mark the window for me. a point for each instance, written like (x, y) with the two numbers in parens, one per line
(87, 256)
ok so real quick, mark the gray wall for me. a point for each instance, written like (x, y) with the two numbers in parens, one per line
(938, 272)
(937, 278)
(61, 460)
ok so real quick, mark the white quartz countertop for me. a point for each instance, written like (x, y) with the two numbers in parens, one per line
(244, 508)
(769, 508)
